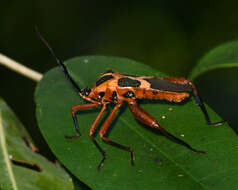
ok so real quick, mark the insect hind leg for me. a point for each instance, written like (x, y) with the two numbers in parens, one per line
(202, 106)
(145, 118)
(196, 97)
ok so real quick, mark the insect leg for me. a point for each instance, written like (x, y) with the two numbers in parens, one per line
(196, 97)
(74, 110)
(104, 129)
(145, 118)
(202, 106)
(91, 131)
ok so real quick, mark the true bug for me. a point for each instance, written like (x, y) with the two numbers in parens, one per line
(116, 88)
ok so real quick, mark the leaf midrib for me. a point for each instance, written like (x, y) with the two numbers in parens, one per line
(5, 154)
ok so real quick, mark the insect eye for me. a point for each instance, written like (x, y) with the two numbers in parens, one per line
(86, 91)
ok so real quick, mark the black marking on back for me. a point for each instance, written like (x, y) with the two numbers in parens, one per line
(114, 96)
(166, 85)
(127, 82)
(129, 94)
(101, 94)
(103, 79)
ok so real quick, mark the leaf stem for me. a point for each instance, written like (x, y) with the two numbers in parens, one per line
(5, 154)
(19, 68)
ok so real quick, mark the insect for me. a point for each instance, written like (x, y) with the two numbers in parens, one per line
(116, 88)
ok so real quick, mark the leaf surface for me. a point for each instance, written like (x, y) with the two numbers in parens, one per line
(160, 162)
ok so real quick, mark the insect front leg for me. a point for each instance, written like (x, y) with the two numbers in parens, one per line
(145, 118)
(74, 110)
(103, 131)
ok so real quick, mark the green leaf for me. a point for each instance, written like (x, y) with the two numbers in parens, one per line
(224, 56)
(15, 157)
(160, 162)
(216, 75)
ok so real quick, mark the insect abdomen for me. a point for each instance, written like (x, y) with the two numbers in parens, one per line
(162, 95)
(166, 85)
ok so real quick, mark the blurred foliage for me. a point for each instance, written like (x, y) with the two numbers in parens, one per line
(170, 36)
(20, 166)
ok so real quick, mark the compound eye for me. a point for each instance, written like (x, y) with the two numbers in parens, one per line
(86, 91)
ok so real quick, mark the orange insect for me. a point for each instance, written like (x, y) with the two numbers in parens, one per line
(116, 88)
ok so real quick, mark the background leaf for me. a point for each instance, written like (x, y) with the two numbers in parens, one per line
(13, 147)
(159, 161)
(216, 75)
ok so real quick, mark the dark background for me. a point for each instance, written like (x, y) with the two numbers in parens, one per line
(170, 36)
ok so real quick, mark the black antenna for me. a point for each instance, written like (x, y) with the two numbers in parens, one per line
(59, 62)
